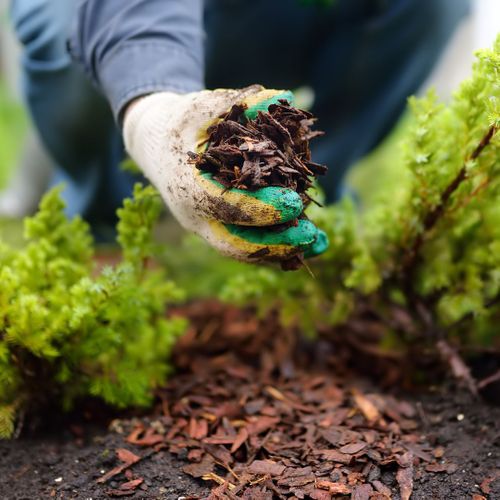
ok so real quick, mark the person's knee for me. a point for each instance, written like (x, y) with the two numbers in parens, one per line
(42, 27)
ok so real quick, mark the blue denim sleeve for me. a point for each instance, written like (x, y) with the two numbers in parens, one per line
(136, 47)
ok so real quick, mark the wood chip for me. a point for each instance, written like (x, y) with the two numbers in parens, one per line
(368, 409)
(404, 476)
(334, 488)
(486, 483)
(353, 448)
(127, 457)
(362, 492)
(335, 456)
(266, 467)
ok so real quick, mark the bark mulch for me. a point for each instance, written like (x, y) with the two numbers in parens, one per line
(255, 418)
(272, 150)
(255, 412)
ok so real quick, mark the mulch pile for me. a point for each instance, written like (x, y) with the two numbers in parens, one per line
(272, 150)
(259, 415)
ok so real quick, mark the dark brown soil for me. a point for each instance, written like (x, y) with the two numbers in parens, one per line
(258, 412)
(60, 466)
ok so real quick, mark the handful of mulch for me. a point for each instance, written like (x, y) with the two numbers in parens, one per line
(272, 150)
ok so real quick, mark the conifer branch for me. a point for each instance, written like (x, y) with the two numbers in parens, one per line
(433, 217)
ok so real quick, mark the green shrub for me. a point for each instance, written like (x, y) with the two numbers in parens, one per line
(430, 243)
(68, 330)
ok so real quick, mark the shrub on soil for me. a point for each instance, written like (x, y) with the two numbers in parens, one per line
(68, 330)
(423, 261)
(425, 257)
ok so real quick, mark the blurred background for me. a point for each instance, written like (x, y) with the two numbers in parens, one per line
(22, 157)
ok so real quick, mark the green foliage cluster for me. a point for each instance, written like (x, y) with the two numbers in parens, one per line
(68, 329)
(429, 243)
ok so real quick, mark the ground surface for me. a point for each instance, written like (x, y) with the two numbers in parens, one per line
(254, 413)
(62, 466)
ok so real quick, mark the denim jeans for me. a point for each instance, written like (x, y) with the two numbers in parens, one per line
(362, 58)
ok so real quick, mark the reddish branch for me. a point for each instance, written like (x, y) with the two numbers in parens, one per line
(457, 365)
(433, 217)
(495, 377)
(422, 311)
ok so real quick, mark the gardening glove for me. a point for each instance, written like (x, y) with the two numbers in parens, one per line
(161, 129)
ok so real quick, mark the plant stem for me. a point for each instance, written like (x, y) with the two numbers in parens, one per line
(433, 217)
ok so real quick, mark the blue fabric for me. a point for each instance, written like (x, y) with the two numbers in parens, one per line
(134, 47)
(361, 57)
(74, 121)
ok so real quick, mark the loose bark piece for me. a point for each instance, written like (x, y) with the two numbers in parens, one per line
(418, 452)
(368, 409)
(198, 429)
(362, 492)
(125, 456)
(131, 485)
(120, 493)
(486, 483)
(240, 439)
(382, 488)
(147, 438)
(266, 467)
(353, 448)
(335, 456)
(448, 468)
(317, 494)
(334, 488)
(404, 476)
(205, 467)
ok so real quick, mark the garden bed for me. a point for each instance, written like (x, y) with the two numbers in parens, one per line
(255, 412)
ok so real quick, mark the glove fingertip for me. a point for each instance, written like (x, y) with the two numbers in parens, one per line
(286, 203)
(262, 101)
(320, 245)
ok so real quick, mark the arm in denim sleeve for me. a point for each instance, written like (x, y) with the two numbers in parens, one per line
(131, 48)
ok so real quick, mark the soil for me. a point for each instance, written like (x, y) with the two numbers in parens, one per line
(437, 443)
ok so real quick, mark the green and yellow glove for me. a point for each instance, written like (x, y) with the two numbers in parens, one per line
(162, 128)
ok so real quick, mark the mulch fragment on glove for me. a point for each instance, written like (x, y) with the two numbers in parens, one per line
(272, 150)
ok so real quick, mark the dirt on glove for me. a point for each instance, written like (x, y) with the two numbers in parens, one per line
(271, 150)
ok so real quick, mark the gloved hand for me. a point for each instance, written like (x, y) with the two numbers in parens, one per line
(160, 130)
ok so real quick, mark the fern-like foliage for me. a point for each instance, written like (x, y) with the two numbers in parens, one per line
(67, 329)
(430, 243)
